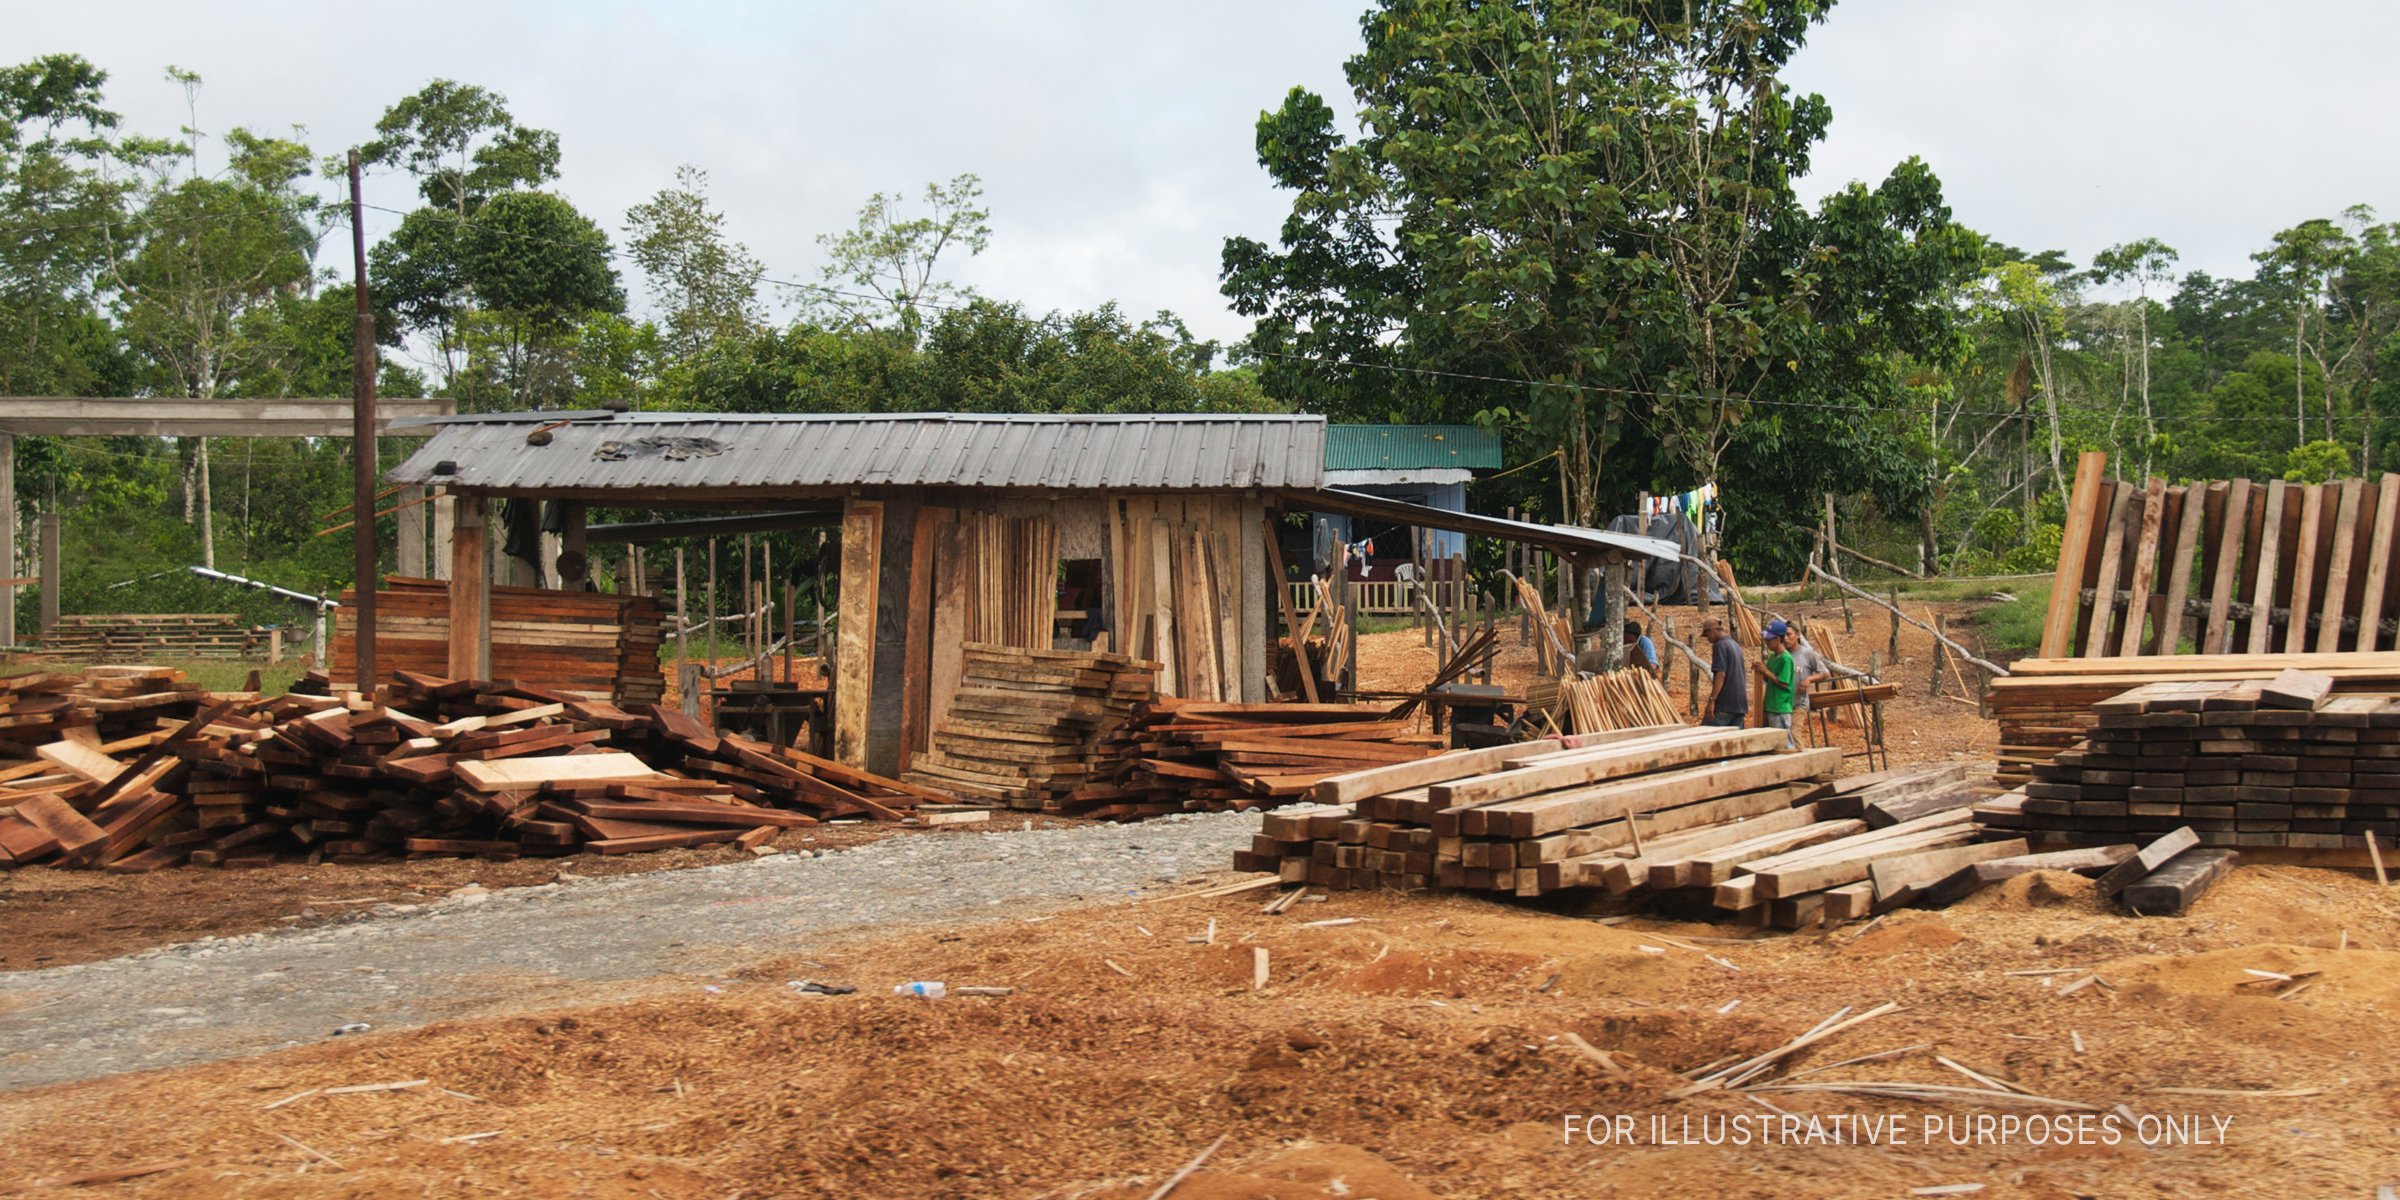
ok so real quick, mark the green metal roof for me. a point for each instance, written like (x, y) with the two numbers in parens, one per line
(1409, 447)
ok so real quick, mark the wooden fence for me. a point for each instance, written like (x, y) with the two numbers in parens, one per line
(2224, 567)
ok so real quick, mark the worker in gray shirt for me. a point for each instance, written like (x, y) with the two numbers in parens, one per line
(1809, 669)
(1729, 693)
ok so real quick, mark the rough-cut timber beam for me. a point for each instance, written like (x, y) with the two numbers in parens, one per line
(161, 417)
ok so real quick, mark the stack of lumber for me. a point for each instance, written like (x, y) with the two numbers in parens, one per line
(445, 767)
(132, 637)
(2282, 762)
(1711, 822)
(1025, 726)
(1628, 699)
(91, 706)
(1194, 756)
(589, 645)
(2045, 705)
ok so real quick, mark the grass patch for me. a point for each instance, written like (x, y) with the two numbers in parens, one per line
(2015, 627)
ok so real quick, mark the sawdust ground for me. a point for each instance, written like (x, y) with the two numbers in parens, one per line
(1423, 1040)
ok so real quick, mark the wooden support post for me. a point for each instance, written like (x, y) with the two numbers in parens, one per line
(1895, 648)
(52, 580)
(1935, 688)
(711, 615)
(470, 591)
(862, 560)
(8, 538)
(1833, 559)
(687, 690)
(410, 560)
(1612, 638)
(274, 646)
(574, 560)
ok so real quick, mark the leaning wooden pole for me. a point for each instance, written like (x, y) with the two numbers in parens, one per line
(1961, 651)
(362, 446)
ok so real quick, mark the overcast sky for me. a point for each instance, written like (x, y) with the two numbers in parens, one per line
(1114, 139)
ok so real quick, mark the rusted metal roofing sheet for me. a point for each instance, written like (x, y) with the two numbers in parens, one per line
(586, 450)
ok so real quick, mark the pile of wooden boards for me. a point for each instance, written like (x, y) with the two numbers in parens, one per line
(444, 767)
(132, 637)
(2277, 763)
(1194, 756)
(590, 645)
(2045, 705)
(1025, 726)
(1713, 822)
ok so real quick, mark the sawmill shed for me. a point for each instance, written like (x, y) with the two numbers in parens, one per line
(954, 528)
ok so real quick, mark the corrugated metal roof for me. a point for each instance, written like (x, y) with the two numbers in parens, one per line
(1403, 447)
(599, 450)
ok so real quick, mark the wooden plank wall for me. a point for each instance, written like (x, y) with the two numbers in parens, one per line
(1184, 597)
(2182, 569)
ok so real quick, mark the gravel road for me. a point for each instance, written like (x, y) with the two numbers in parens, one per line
(403, 965)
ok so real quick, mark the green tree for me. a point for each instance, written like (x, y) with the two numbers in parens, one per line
(2143, 264)
(460, 142)
(536, 267)
(897, 259)
(59, 199)
(705, 285)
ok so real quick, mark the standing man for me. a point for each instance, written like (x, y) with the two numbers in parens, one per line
(1729, 689)
(1777, 700)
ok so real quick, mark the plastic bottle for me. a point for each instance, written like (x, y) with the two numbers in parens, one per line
(931, 991)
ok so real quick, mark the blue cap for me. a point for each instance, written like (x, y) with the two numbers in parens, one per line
(1776, 629)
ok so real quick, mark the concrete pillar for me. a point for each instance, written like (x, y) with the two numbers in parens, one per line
(445, 519)
(411, 561)
(51, 578)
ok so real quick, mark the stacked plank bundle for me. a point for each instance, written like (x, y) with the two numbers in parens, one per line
(1707, 819)
(447, 767)
(2279, 763)
(2046, 705)
(1192, 756)
(587, 644)
(1025, 725)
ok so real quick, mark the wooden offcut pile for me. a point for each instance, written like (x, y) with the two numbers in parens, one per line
(1195, 756)
(445, 767)
(1712, 822)
(1025, 726)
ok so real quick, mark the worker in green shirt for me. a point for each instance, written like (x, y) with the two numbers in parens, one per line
(1778, 670)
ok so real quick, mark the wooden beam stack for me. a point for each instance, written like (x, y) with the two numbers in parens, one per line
(1703, 818)
(2282, 762)
(592, 645)
(1195, 756)
(1026, 725)
(447, 767)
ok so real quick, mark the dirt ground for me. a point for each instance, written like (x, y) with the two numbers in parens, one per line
(1419, 1051)
(53, 918)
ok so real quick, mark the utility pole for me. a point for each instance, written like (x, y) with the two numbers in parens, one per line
(362, 446)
